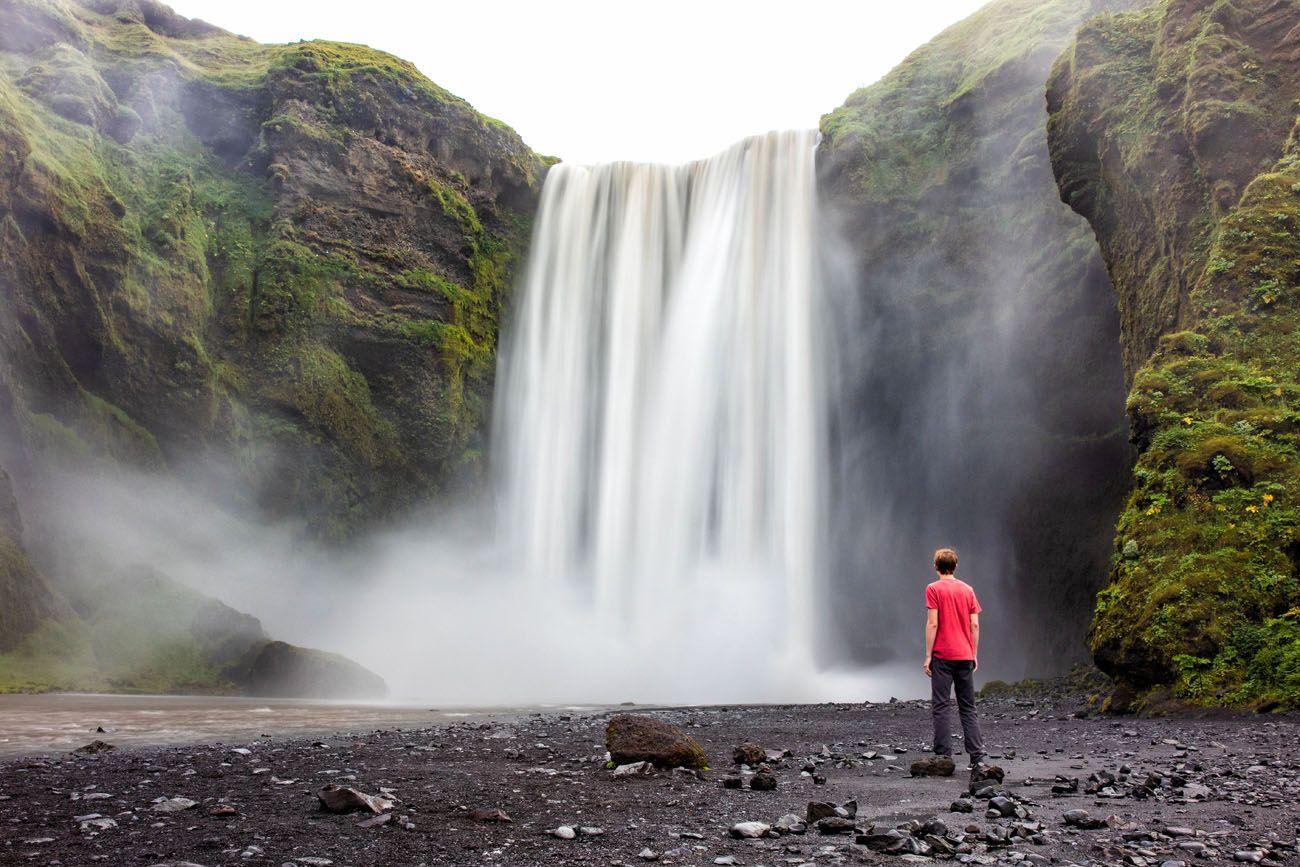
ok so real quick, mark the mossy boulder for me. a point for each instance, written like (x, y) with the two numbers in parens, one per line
(639, 738)
(1173, 132)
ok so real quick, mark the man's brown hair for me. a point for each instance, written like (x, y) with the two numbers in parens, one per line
(945, 561)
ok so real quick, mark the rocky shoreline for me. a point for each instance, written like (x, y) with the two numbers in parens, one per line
(834, 787)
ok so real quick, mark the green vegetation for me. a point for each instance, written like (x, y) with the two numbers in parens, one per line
(1198, 217)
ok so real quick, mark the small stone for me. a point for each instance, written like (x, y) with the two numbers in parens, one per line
(836, 825)
(934, 766)
(93, 747)
(173, 805)
(633, 770)
(818, 810)
(341, 799)
(726, 860)
(984, 771)
(762, 782)
(1248, 856)
(591, 831)
(750, 830)
(564, 832)
(222, 810)
(648, 854)
(962, 805)
(1002, 806)
(732, 782)
(790, 824)
(749, 753)
(376, 821)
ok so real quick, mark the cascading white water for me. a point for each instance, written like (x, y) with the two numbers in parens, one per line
(660, 408)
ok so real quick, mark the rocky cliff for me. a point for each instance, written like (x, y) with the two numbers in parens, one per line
(985, 401)
(284, 265)
(276, 271)
(1173, 131)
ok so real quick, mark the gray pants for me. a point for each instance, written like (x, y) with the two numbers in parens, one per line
(944, 675)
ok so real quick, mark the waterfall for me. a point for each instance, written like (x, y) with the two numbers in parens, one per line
(660, 417)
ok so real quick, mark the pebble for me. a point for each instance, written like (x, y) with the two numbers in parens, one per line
(750, 830)
(648, 854)
(564, 832)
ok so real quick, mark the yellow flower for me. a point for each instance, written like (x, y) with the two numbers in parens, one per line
(1187, 419)
(1277, 392)
(1221, 507)
(1252, 508)
(1231, 525)
(1268, 498)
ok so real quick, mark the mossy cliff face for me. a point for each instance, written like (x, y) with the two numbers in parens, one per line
(1173, 131)
(290, 260)
(988, 381)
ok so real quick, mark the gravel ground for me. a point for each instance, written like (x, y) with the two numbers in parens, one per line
(1196, 790)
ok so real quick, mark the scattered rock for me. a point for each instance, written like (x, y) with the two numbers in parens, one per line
(173, 805)
(564, 832)
(749, 754)
(934, 766)
(962, 805)
(732, 782)
(94, 747)
(836, 825)
(376, 821)
(222, 810)
(750, 830)
(790, 824)
(648, 854)
(634, 769)
(818, 810)
(762, 782)
(636, 738)
(984, 771)
(341, 799)
(1082, 819)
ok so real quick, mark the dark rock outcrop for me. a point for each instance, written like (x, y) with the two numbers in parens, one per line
(1173, 131)
(283, 670)
(985, 401)
(25, 598)
(287, 260)
(636, 738)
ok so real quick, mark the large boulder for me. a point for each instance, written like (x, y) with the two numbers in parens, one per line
(637, 738)
(285, 671)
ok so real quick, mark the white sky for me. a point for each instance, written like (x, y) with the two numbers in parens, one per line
(593, 81)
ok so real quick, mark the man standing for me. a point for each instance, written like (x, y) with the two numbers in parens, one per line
(952, 641)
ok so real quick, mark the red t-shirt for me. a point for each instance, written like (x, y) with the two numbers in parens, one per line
(955, 601)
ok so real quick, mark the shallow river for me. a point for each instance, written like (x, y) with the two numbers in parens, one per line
(31, 724)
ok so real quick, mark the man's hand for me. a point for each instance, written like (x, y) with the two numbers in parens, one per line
(926, 666)
(977, 665)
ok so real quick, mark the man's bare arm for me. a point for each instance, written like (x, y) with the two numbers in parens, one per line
(975, 639)
(931, 630)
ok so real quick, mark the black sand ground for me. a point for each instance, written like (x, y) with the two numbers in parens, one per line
(1222, 788)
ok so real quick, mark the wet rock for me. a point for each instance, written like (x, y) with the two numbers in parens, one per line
(749, 753)
(637, 738)
(93, 747)
(488, 814)
(634, 770)
(984, 771)
(934, 766)
(341, 799)
(750, 830)
(1002, 806)
(762, 782)
(836, 825)
(818, 810)
(1082, 819)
